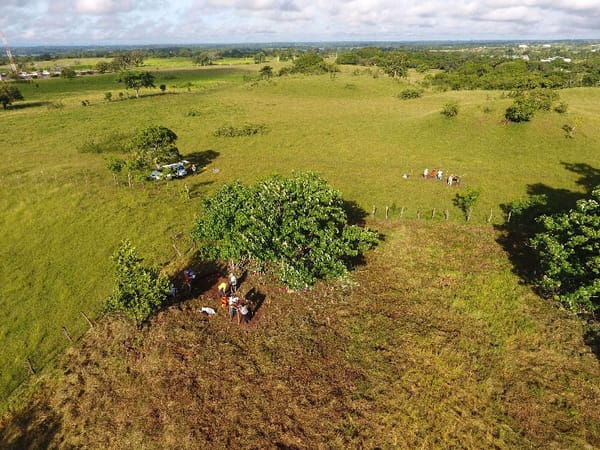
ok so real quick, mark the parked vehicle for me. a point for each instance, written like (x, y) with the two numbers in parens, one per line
(169, 171)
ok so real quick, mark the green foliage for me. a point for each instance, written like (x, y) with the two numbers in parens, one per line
(520, 111)
(526, 103)
(245, 130)
(395, 65)
(110, 143)
(9, 94)
(67, 72)
(466, 201)
(137, 80)
(266, 72)
(298, 225)
(410, 93)
(139, 290)
(154, 145)
(450, 110)
(108, 96)
(569, 251)
(526, 211)
(311, 63)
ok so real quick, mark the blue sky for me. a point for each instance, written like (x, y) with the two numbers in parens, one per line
(60, 22)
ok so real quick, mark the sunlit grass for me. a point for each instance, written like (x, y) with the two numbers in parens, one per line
(63, 217)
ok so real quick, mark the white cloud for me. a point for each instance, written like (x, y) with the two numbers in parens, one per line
(189, 21)
(102, 6)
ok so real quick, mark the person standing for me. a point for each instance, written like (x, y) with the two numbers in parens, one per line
(232, 283)
(244, 314)
(233, 306)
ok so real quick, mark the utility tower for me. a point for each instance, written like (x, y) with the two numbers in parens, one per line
(11, 61)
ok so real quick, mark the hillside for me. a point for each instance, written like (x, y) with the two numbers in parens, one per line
(434, 343)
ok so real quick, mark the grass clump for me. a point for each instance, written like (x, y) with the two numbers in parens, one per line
(244, 130)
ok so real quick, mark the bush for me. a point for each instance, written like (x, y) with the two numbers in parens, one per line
(561, 108)
(450, 110)
(410, 93)
(466, 201)
(245, 130)
(520, 111)
(297, 226)
(139, 290)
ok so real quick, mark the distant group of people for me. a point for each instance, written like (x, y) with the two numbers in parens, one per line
(438, 174)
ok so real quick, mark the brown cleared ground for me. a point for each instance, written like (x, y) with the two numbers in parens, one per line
(435, 344)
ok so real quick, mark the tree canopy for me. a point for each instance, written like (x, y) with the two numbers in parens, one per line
(137, 80)
(296, 225)
(569, 251)
(154, 145)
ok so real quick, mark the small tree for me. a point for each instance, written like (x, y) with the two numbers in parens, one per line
(67, 72)
(522, 110)
(108, 96)
(266, 72)
(154, 145)
(115, 166)
(569, 251)
(137, 80)
(163, 88)
(9, 94)
(139, 290)
(466, 201)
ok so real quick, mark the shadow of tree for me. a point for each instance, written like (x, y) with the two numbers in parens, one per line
(515, 235)
(30, 428)
(355, 214)
(27, 105)
(202, 158)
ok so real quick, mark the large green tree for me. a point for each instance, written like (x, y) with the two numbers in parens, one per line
(569, 250)
(154, 145)
(9, 94)
(137, 80)
(296, 225)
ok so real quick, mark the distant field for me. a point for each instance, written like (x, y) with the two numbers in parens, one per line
(63, 216)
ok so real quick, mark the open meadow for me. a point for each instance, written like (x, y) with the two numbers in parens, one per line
(63, 217)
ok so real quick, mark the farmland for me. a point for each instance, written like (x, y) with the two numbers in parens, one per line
(63, 217)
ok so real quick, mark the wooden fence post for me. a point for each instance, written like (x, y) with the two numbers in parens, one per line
(447, 215)
(67, 335)
(374, 210)
(433, 213)
(87, 319)
(418, 214)
(402, 212)
(387, 210)
(29, 366)
(509, 216)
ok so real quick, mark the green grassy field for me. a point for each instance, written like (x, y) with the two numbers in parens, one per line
(63, 216)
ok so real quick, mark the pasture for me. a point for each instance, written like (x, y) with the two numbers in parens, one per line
(63, 216)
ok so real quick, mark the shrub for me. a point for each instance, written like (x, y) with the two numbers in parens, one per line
(450, 110)
(520, 111)
(245, 130)
(410, 93)
(139, 290)
(561, 108)
(466, 201)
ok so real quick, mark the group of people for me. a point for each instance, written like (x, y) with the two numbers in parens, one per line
(438, 174)
(229, 299)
